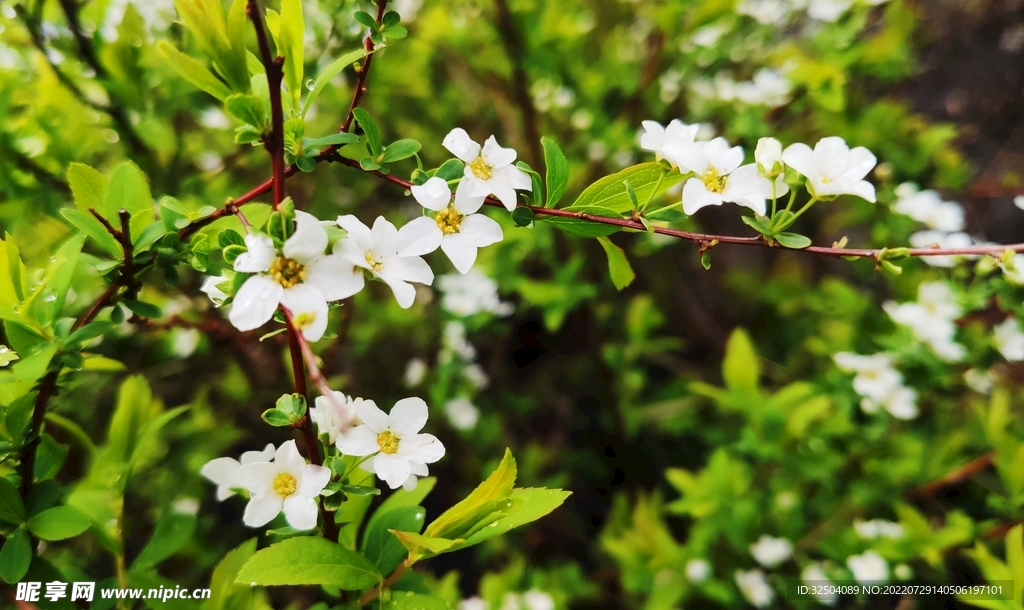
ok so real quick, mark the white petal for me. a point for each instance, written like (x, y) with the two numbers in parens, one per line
(689, 156)
(483, 230)
(408, 416)
(314, 479)
(265, 455)
(288, 456)
(358, 441)
(260, 254)
(255, 303)
(466, 203)
(501, 187)
(335, 277)
(300, 512)
(404, 293)
(496, 156)
(353, 252)
(257, 477)
(262, 509)
(697, 196)
(408, 268)
(862, 161)
(223, 471)
(309, 240)
(473, 186)
(831, 156)
(355, 229)
(434, 194)
(391, 469)
(419, 236)
(385, 237)
(425, 448)
(801, 158)
(864, 190)
(460, 250)
(520, 180)
(372, 416)
(461, 145)
(309, 310)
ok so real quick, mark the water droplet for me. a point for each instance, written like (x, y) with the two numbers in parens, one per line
(311, 84)
(418, 516)
(3, 349)
(49, 297)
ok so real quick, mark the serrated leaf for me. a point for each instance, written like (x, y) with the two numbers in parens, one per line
(556, 168)
(59, 523)
(309, 560)
(129, 189)
(618, 265)
(88, 187)
(647, 180)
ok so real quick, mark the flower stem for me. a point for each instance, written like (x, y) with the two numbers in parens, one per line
(375, 592)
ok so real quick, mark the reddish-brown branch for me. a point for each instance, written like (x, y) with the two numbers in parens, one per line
(364, 70)
(125, 237)
(953, 477)
(47, 389)
(374, 593)
(274, 66)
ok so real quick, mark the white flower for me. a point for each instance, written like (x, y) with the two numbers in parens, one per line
(754, 587)
(868, 567)
(900, 402)
(877, 528)
(473, 603)
(224, 471)
(768, 156)
(708, 35)
(1009, 339)
(768, 88)
(903, 572)
(697, 570)
(981, 382)
(475, 375)
(472, 293)
(876, 378)
(327, 417)
(394, 438)
(931, 319)
(1019, 201)
(828, 10)
(770, 552)
(655, 137)
(511, 601)
(538, 600)
(814, 576)
(1014, 273)
(209, 286)
(415, 370)
(489, 171)
(462, 413)
(929, 239)
(184, 341)
(765, 12)
(288, 483)
(928, 207)
(377, 251)
(720, 177)
(832, 168)
(300, 278)
(457, 228)
(454, 335)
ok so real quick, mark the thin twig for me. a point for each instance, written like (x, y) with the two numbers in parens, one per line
(364, 70)
(47, 389)
(953, 477)
(274, 66)
(129, 259)
(375, 592)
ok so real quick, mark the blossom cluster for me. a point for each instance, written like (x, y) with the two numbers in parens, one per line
(944, 221)
(879, 384)
(717, 174)
(932, 319)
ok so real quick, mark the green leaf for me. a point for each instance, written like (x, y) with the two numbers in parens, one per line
(381, 546)
(557, 169)
(306, 164)
(276, 418)
(402, 149)
(249, 109)
(129, 189)
(759, 224)
(48, 300)
(235, 59)
(15, 557)
(741, 368)
(171, 212)
(705, 259)
(647, 179)
(369, 127)
(32, 368)
(173, 531)
(230, 237)
(359, 490)
(582, 227)
(329, 73)
(421, 547)
(792, 240)
(451, 169)
(618, 265)
(290, 39)
(522, 216)
(366, 19)
(407, 600)
(480, 506)
(92, 228)
(194, 71)
(309, 560)
(59, 522)
(88, 187)
(528, 505)
(11, 508)
(396, 33)
(225, 593)
(336, 139)
(50, 458)
(146, 310)
(17, 274)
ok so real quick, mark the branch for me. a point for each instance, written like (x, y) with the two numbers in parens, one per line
(41, 174)
(28, 464)
(953, 477)
(375, 592)
(363, 71)
(708, 239)
(125, 237)
(274, 67)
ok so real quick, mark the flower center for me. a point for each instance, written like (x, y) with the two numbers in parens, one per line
(388, 442)
(480, 168)
(304, 320)
(373, 262)
(285, 484)
(287, 272)
(713, 181)
(449, 220)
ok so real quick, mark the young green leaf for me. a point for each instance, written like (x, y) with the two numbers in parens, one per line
(309, 560)
(12, 510)
(522, 216)
(369, 127)
(451, 170)
(408, 600)
(146, 310)
(58, 523)
(402, 149)
(489, 498)
(290, 39)
(15, 556)
(329, 73)
(88, 187)
(741, 368)
(528, 505)
(249, 109)
(618, 265)
(557, 169)
(194, 71)
(336, 139)
(647, 179)
(792, 240)
(173, 531)
(381, 546)
(87, 223)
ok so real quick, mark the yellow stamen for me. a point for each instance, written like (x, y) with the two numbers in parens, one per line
(285, 484)
(480, 168)
(374, 264)
(287, 272)
(449, 220)
(388, 442)
(713, 181)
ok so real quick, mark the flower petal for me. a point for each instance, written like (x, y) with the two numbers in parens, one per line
(496, 156)
(258, 257)
(862, 161)
(689, 156)
(419, 236)
(288, 456)
(309, 240)
(391, 469)
(466, 203)
(335, 277)
(314, 479)
(831, 156)
(372, 416)
(520, 180)
(358, 441)
(267, 454)
(404, 293)
(501, 187)
(460, 250)
(257, 477)
(262, 509)
(434, 194)
(222, 471)
(801, 158)
(353, 252)
(300, 512)
(356, 229)
(255, 303)
(408, 416)
(697, 196)
(407, 268)
(425, 448)
(482, 230)
(461, 145)
(309, 310)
